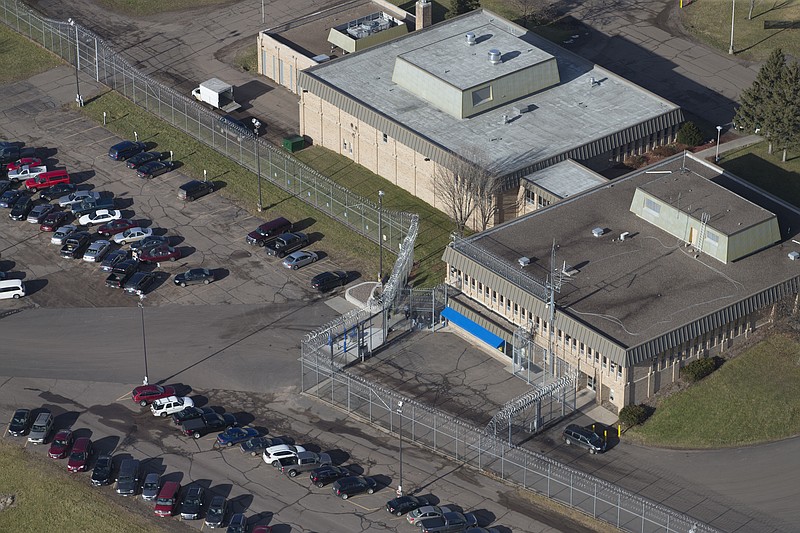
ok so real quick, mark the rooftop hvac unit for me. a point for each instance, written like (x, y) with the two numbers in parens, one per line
(470, 38)
(598, 232)
(524, 261)
(794, 256)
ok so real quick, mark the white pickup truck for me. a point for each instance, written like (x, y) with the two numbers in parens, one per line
(170, 405)
(25, 172)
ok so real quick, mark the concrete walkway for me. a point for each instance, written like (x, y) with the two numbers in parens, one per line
(729, 146)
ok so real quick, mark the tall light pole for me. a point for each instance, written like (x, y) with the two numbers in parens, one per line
(733, 17)
(258, 169)
(719, 131)
(144, 338)
(380, 235)
(78, 97)
(262, 12)
(400, 432)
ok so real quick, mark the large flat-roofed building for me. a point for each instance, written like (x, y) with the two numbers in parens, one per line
(483, 89)
(651, 271)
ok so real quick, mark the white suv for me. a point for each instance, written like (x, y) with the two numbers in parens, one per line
(170, 405)
(274, 454)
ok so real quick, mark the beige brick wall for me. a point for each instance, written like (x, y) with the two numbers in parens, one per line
(274, 56)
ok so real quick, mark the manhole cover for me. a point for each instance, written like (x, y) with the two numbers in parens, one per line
(240, 254)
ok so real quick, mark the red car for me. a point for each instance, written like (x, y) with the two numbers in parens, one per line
(79, 458)
(33, 161)
(61, 444)
(116, 226)
(45, 180)
(167, 498)
(54, 220)
(147, 394)
(261, 529)
(158, 254)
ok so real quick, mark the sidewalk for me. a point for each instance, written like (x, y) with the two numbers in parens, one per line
(729, 146)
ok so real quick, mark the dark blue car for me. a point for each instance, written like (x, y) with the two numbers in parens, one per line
(125, 150)
(234, 435)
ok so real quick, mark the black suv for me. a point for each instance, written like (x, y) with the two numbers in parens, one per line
(326, 474)
(286, 244)
(125, 149)
(329, 280)
(20, 422)
(584, 437)
(195, 189)
(349, 486)
(22, 208)
(192, 503)
(101, 475)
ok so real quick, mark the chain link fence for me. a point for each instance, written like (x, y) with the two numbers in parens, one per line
(94, 57)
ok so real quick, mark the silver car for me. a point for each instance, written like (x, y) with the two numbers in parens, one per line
(152, 482)
(96, 251)
(76, 198)
(299, 259)
(132, 235)
(62, 233)
(39, 212)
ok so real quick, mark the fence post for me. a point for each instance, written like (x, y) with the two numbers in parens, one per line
(594, 507)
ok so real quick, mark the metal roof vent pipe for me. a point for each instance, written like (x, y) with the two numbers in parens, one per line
(494, 56)
(471, 39)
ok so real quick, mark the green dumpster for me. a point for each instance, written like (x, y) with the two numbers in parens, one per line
(294, 143)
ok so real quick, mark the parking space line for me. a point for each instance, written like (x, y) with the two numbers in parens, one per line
(80, 132)
(122, 397)
(363, 507)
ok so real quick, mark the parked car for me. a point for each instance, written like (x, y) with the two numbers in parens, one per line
(149, 242)
(215, 514)
(352, 485)
(286, 244)
(19, 422)
(328, 280)
(323, 475)
(132, 235)
(405, 504)
(235, 435)
(424, 512)
(76, 197)
(197, 427)
(125, 150)
(170, 405)
(113, 227)
(299, 259)
(151, 486)
(167, 498)
(54, 192)
(102, 473)
(47, 179)
(99, 216)
(447, 523)
(158, 254)
(585, 438)
(256, 445)
(237, 524)
(189, 413)
(39, 212)
(194, 277)
(481, 530)
(4, 186)
(60, 445)
(195, 189)
(54, 220)
(10, 197)
(81, 452)
(305, 462)
(128, 477)
(26, 172)
(139, 283)
(95, 252)
(41, 428)
(21, 208)
(23, 161)
(105, 201)
(75, 244)
(146, 394)
(141, 158)
(154, 168)
(62, 233)
(121, 273)
(273, 454)
(192, 503)
(112, 259)
(269, 231)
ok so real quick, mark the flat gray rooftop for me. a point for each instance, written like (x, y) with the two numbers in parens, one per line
(464, 66)
(650, 283)
(566, 179)
(588, 112)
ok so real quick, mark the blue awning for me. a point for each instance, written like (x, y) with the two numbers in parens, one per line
(472, 328)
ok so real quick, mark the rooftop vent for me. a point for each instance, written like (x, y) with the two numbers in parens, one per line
(525, 261)
(794, 256)
(471, 38)
(598, 232)
(624, 235)
(494, 56)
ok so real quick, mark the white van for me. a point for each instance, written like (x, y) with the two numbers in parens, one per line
(11, 288)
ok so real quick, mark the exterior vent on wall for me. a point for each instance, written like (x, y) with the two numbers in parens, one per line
(471, 38)
(598, 232)
(794, 256)
(494, 56)
(525, 261)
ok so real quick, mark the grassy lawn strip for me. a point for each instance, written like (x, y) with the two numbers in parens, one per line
(755, 165)
(347, 249)
(22, 58)
(751, 399)
(153, 7)
(48, 498)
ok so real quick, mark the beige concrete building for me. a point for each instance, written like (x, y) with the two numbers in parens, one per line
(652, 270)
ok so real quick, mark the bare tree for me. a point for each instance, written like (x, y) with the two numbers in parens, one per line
(530, 10)
(487, 189)
(454, 186)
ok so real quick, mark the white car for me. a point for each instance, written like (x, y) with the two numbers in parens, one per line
(132, 235)
(96, 251)
(77, 197)
(99, 216)
(274, 454)
(170, 405)
(62, 233)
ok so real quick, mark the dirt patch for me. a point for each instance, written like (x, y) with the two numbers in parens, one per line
(6, 501)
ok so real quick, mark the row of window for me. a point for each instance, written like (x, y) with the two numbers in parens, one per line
(531, 198)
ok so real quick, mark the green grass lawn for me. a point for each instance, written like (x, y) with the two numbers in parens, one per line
(751, 399)
(247, 58)
(22, 58)
(152, 7)
(755, 165)
(710, 22)
(47, 498)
